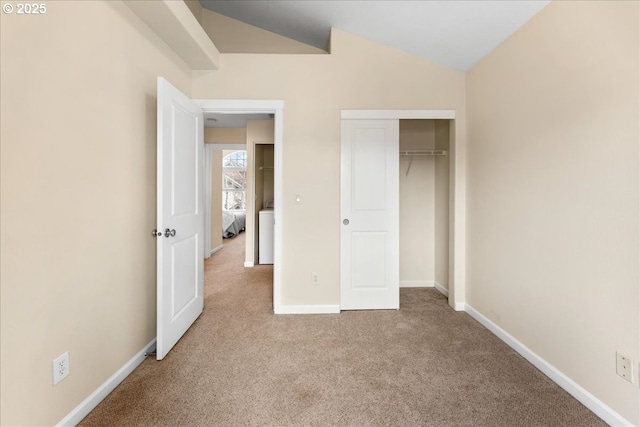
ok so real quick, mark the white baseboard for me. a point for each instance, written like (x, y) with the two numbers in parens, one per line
(416, 283)
(214, 250)
(459, 306)
(248, 264)
(88, 404)
(594, 404)
(444, 291)
(307, 309)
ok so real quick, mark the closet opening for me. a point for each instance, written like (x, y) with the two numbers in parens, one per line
(424, 203)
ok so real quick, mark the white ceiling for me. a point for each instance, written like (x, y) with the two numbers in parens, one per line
(453, 33)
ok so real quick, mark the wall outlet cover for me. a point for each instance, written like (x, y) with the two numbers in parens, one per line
(60, 367)
(623, 367)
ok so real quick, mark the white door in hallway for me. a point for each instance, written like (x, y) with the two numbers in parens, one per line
(369, 238)
(180, 219)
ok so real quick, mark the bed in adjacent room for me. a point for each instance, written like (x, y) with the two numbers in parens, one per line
(233, 223)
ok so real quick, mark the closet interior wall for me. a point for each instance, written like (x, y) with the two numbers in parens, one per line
(442, 202)
(259, 132)
(264, 186)
(424, 205)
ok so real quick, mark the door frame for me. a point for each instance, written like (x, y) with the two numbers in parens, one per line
(275, 107)
(457, 189)
(208, 152)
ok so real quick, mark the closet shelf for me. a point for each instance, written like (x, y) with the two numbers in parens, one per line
(423, 152)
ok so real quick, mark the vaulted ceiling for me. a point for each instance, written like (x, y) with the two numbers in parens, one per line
(456, 34)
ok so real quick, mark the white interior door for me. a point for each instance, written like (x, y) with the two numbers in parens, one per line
(369, 238)
(180, 215)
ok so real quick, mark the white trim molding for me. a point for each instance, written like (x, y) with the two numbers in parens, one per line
(307, 309)
(275, 107)
(208, 166)
(214, 250)
(594, 404)
(444, 291)
(248, 264)
(417, 283)
(87, 405)
(242, 106)
(176, 25)
(397, 114)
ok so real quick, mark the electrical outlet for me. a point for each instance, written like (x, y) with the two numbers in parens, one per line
(315, 279)
(60, 367)
(623, 367)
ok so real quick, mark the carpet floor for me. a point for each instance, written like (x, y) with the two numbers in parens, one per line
(423, 365)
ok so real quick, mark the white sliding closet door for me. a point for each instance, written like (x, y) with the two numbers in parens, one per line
(369, 239)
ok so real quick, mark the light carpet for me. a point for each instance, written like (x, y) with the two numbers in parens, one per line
(423, 365)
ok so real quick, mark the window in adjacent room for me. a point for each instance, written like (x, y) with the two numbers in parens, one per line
(234, 181)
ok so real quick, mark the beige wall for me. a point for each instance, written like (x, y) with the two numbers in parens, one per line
(358, 74)
(78, 174)
(441, 220)
(553, 192)
(417, 208)
(268, 174)
(225, 135)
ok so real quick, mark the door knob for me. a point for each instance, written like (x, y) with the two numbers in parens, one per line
(345, 221)
(168, 232)
(155, 233)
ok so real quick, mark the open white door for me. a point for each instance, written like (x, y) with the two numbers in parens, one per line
(180, 215)
(369, 238)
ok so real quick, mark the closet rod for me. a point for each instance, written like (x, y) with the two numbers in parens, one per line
(423, 153)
